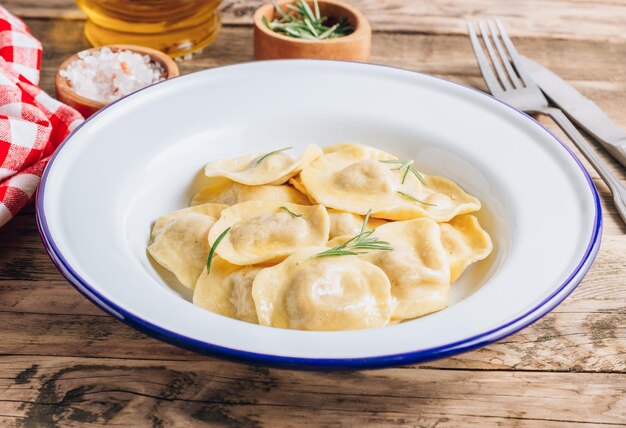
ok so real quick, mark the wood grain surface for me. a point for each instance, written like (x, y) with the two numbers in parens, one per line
(63, 362)
(563, 19)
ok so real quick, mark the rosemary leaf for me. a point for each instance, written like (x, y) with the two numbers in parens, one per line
(405, 166)
(413, 198)
(365, 221)
(359, 244)
(310, 26)
(418, 175)
(262, 158)
(328, 32)
(406, 172)
(333, 252)
(305, 34)
(284, 208)
(306, 23)
(279, 9)
(307, 10)
(293, 32)
(213, 248)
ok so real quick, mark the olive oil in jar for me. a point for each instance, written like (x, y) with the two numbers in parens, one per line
(176, 27)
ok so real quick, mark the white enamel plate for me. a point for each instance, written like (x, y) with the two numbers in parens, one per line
(142, 157)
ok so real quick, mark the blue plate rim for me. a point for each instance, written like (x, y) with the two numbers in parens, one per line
(382, 361)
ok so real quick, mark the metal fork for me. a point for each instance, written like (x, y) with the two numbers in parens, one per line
(514, 86)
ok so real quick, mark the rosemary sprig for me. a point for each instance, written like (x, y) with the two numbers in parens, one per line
(290, 212)
(213, 247)
(365, 221)
(317, 10)
(301, 22)
(363, 241)
(258, 161)
(405, 166)
(279, 10)
(413, 198)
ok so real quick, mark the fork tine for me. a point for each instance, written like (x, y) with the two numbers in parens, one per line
(494, 59)
(515, 56)
(490, 79)
(503, 56)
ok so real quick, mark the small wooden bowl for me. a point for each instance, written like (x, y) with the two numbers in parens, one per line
(269, 44)
(87, 106)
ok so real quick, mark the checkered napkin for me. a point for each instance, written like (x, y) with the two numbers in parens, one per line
(32, 124)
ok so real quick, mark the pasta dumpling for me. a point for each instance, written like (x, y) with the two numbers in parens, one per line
(231, 193)
(357, 178)
(342, 238)
(465, 242)
(266, 232)
(227, 290)
(258, 168)
(336, 147)
(334, 293)
(417, 267)
(343, 223)
(179, 241)
(296, 182)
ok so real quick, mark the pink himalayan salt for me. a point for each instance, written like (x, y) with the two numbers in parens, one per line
(105, 76)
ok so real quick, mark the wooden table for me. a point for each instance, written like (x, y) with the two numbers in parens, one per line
(65, 362)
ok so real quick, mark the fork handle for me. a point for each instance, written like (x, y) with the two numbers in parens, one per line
(617, 188)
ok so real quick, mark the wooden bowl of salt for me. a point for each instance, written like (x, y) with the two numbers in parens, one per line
(93, 78)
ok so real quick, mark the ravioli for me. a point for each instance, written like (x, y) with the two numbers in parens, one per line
(465, 242)
(357, 178)
(231, 193)
(267, 216)
(296, 182)
(227, 290)
(179, 241)
(417, 267)
(258, 169)
(343, 223)
(336, 147)
(334, 293)
(263, 232)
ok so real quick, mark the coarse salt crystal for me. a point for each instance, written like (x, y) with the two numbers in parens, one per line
(105, 76)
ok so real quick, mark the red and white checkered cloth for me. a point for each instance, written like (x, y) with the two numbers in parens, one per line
(32, 124)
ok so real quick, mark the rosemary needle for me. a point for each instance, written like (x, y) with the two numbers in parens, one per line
(363, 241)
(413, 198)
(262, 158)
(317, 10)
(290, 212)
(365, 221)
(405, 166)
(298, 20)
(213, 247)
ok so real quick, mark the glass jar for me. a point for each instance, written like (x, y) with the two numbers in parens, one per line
(176, 27)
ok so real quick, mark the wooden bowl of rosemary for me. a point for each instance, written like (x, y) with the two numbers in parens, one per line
(317, 29)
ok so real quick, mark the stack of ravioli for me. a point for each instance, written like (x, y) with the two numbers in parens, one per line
(275, 214)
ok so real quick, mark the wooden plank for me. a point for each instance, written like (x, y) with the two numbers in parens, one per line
(559, 342)
(582, 334)
(568, 368)
(79, 392)
(598, 69)
(42, 314)
(600, 293)
(561, 19)
(24, 266)
(53, 9)
(599, 76)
